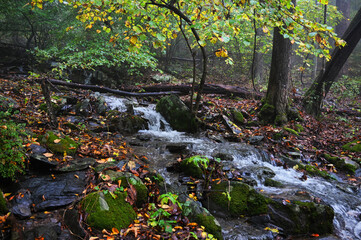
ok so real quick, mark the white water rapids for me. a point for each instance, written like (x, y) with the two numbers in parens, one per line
(345, 201)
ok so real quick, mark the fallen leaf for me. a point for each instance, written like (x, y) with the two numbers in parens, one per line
(48, 154)
(57, 140)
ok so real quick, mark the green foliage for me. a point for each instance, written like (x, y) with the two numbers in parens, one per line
(195, 166)
(12, 154)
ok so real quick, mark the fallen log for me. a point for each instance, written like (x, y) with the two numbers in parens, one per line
(110, 90)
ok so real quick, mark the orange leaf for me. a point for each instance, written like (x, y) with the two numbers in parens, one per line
(57, 140)
(115, 231)
(48, 154)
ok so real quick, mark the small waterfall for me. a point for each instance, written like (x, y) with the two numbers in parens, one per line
(345, 202)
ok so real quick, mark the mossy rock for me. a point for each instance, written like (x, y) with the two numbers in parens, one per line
(209, 223)
(196, 213)
(66, 144)
(238, 117)
(127, 123)
(301, 217)
(3, 207)
(314, 171)
(240, 200)
(272, 183)
(267, 113)
(354, 146)
(192, 166)
(106, 212)
(177, 114)
(340, 164)
(127, 178)
(290, 130)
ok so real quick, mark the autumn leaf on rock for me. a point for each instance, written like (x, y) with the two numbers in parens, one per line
(132, 194)
(48, 155)
(57, 140)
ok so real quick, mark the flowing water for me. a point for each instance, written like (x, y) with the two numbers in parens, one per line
(344, 199)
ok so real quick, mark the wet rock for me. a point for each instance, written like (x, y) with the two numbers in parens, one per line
(255, 140)
(128, 123)
(37, 149)
(272, 183)
(58, 144)
(3, 207)
(40, 162)
(177, 114)
(126, 179)
(77, 165)
(72, 219)
(260, 172)
(7, 103)
(20, 205)
(83, 108)
(46, 232)
(106, 212)
(234, 199)
(290, 162)
(195, 212)
(177, 148)
(51, 192)
(301, 217)
(223, 156)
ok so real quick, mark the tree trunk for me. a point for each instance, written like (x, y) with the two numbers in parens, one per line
(322, 84)
(49, 105)
(275, 107)
(344, 7)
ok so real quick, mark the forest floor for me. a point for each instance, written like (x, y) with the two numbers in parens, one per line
(311, 137)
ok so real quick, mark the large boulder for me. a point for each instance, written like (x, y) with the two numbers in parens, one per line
(354, 146)
(127, 123)
(105, 212)
(298, 217)
(177, 114)
(233, 199)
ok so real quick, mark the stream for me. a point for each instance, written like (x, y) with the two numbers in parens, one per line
(157, 144)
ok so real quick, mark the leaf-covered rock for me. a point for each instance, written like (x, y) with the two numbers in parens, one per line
(59, 145)
(126, 179)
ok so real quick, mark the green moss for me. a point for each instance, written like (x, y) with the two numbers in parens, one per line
(106, 212)
(272, 183)
(280, 119)
(66, 144)
(209, 223)
(194, 166)
(126, 179)
(354, 146)
(299, 128)
(3, 207)
(314, 171)
(244, 200)
(340, 164)
(177, 114)
(237, 116)
(267, 113)
(277, 135)
(319, 217)
(290, 130)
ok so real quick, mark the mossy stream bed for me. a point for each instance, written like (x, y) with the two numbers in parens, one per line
(163, 146)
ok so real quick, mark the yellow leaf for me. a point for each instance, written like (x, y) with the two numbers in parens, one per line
(57, 140)
(133, 40)
(99, 31)
(265, 29)
(76, 176)
(48, 154)
(46, 212)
